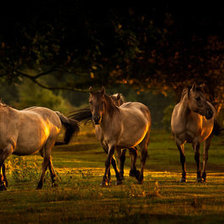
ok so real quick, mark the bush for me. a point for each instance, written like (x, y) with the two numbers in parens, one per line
(167, 112)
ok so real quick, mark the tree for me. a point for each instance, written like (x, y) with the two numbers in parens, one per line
(72, 45)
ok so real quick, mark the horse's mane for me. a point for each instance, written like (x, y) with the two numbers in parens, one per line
(187, 89)
(2, 104)
(110, 104)
(122, 98)
(184, 92)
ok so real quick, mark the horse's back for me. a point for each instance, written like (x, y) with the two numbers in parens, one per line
(136, 107)
(46, 114)
(135, 123)
(36, 126)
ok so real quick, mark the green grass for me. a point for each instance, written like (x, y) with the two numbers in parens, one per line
(79, 198)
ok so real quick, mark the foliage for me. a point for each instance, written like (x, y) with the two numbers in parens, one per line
(22, 170)
(164, 44)
(167, 117)
(32, 95)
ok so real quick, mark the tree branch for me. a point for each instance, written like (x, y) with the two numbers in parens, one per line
(34, 79)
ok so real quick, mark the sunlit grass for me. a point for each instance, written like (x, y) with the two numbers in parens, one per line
(79, 198)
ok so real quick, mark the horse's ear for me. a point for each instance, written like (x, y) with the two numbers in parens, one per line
(118, 96)
(194, 87)
(90, 89)
(203, 87)
(103, 91)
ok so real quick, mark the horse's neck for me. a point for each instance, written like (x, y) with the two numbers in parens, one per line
(109, 114)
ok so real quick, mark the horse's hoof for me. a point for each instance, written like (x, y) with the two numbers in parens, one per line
(54, 185)
(39, 186)
(6, 183)
(122, 176)
(140, 181)
(134, 173)
(119, 182)
(199, 180)
(183, 180)
(204, 177)
(105, 183)
(3, 187)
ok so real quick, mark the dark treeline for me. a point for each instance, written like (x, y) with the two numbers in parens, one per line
(73, 44)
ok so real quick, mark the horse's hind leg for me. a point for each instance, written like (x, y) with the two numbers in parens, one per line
(196, 147)
(47, 161)
(4, 175)
(45, 164)
(52, 172)
(205, 156)
(4, 154)
(122, 160)
(143, 146)
(133, 172)
(182, 161)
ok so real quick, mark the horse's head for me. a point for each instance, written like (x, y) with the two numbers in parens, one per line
(118, 99)
(97, 104)
(197, 102)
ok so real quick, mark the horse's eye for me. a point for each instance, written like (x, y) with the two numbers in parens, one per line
(91, 102)
(197, 99)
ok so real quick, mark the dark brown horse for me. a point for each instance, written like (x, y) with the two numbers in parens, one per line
(193, 121)
(120, 127)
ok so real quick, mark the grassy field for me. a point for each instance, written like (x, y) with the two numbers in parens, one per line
(79, 198)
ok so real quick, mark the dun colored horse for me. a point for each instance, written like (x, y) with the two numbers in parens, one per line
(86, 115)
(24, 132)
(120, 127)
(192, 121)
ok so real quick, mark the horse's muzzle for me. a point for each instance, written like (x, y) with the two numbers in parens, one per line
(96, 120)
(209, 114)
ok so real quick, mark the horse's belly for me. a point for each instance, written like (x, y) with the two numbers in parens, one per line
(131, 140)
(30, 143)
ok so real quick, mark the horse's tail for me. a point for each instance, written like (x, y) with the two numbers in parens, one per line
(217, 129)
(81, 115)
(71, 128)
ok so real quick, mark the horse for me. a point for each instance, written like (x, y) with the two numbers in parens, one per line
(120, 127)
(193, 121)
(31, 130)
(86, 115)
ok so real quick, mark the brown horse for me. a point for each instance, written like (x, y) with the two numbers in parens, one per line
(120, 127)
(86, 115)
(35, 129)
(192, 121)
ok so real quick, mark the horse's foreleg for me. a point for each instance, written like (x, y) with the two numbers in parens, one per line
(118, 175)
(182, 161)
(205, 156)
(107, 165)
(105, 148)
(196, 147)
